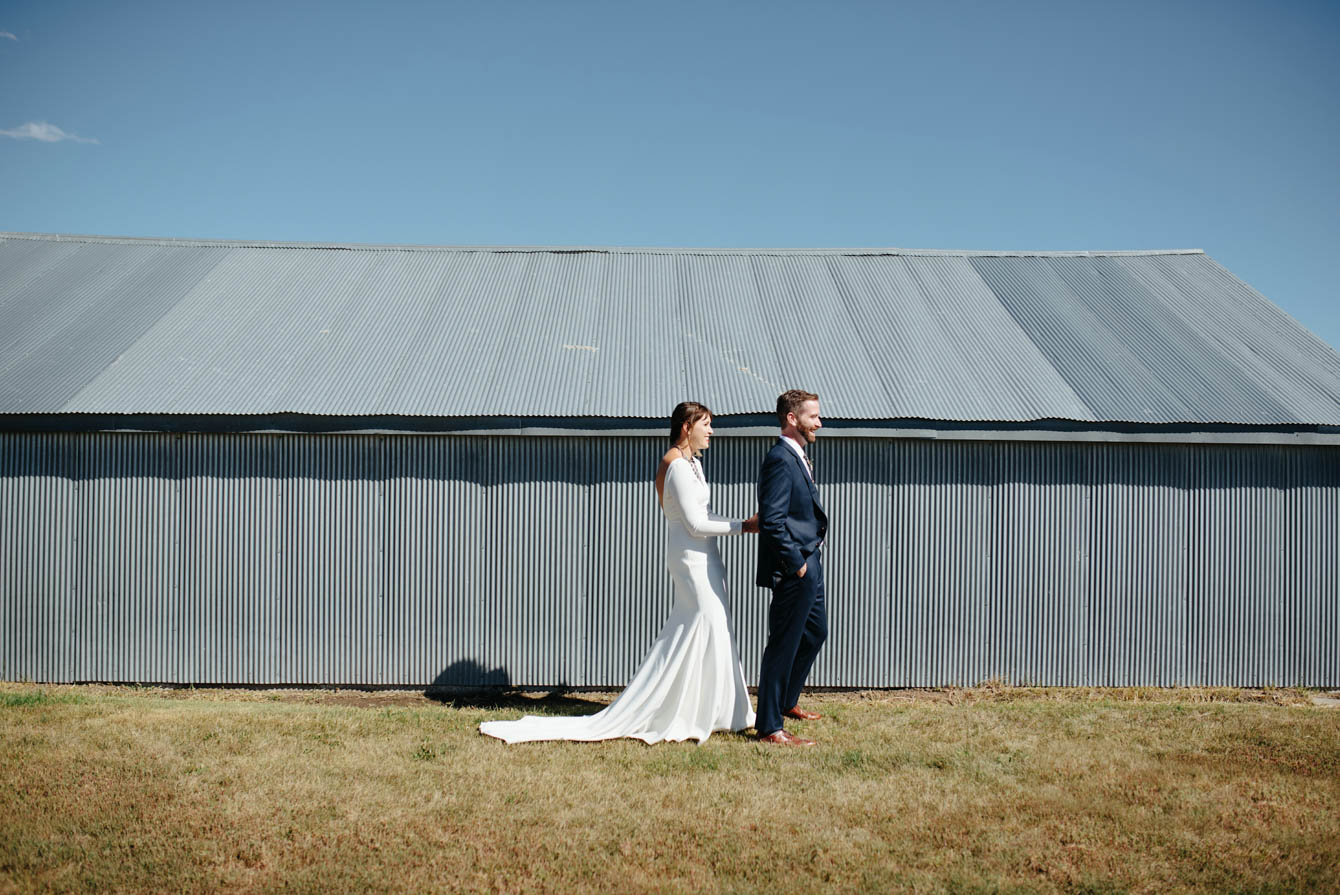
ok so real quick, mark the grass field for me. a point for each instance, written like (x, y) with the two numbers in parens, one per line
(982, 790)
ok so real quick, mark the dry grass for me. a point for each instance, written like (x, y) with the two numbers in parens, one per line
(980, 790)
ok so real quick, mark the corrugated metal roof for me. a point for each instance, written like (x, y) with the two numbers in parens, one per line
(108, 326)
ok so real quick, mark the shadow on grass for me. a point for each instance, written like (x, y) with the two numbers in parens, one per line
(555, 702)
(468, 684)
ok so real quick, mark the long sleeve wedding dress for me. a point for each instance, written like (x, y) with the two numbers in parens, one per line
(691, 682)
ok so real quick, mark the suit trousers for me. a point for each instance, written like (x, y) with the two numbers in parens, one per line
(797, 627)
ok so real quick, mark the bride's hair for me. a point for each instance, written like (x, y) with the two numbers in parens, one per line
(686, 413)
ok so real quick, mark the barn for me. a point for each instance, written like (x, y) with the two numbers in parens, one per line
(262, 463)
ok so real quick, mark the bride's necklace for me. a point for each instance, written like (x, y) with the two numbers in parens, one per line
(693, 464)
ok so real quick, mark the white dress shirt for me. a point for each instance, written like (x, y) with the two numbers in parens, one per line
(795, 446)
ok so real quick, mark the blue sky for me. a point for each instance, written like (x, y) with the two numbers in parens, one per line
(968, 125)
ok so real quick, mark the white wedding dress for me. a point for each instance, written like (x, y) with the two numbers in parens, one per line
(691, 682)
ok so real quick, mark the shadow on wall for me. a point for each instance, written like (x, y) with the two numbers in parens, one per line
(470, 675)
(467, 684)
(481, 460)
(405, 464)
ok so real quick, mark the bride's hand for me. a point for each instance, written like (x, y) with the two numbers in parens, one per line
(750, 525)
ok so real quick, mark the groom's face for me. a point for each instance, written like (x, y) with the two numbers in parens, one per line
(807, 420)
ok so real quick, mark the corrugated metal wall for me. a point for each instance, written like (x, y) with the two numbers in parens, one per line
(409, 560)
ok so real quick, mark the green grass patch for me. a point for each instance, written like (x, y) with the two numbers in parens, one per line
(22, 699)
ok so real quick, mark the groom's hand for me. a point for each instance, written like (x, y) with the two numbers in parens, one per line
(801, 573)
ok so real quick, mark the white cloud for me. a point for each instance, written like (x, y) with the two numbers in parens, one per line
(7, 34)
(41, 130)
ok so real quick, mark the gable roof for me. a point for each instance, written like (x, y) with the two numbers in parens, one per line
(106, 325)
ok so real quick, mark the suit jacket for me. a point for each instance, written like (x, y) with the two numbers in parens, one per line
(791, 519)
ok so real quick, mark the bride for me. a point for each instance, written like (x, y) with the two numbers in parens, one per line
(690, 682)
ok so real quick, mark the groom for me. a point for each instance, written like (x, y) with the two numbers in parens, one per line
(792, 526)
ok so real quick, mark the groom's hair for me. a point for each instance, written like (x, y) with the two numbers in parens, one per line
(790, 401)
(686, 413)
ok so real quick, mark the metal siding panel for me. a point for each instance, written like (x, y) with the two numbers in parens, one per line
(334, 541)
(1235, 591)
(125, 555)
(1138, 573)
(38, 612)
(628, 591)
(471, 595)
(854, 479)
(279, 574)
(530, 561)
(942, 512)
(239, 622)
(732, 466)
(1041, 528)
(416, 556)
(533, 556)
(444, 625)
(1311, 648)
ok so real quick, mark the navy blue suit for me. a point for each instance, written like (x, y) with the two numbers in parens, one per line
(792, 525)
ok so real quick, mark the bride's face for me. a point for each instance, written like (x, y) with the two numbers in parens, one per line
(700, 434)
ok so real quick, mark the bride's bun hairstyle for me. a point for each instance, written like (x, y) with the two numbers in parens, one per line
(686, 414)
(791, 401)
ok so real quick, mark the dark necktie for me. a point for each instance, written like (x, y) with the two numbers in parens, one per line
(810, 464)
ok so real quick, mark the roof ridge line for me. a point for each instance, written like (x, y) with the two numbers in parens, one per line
(610, 250)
